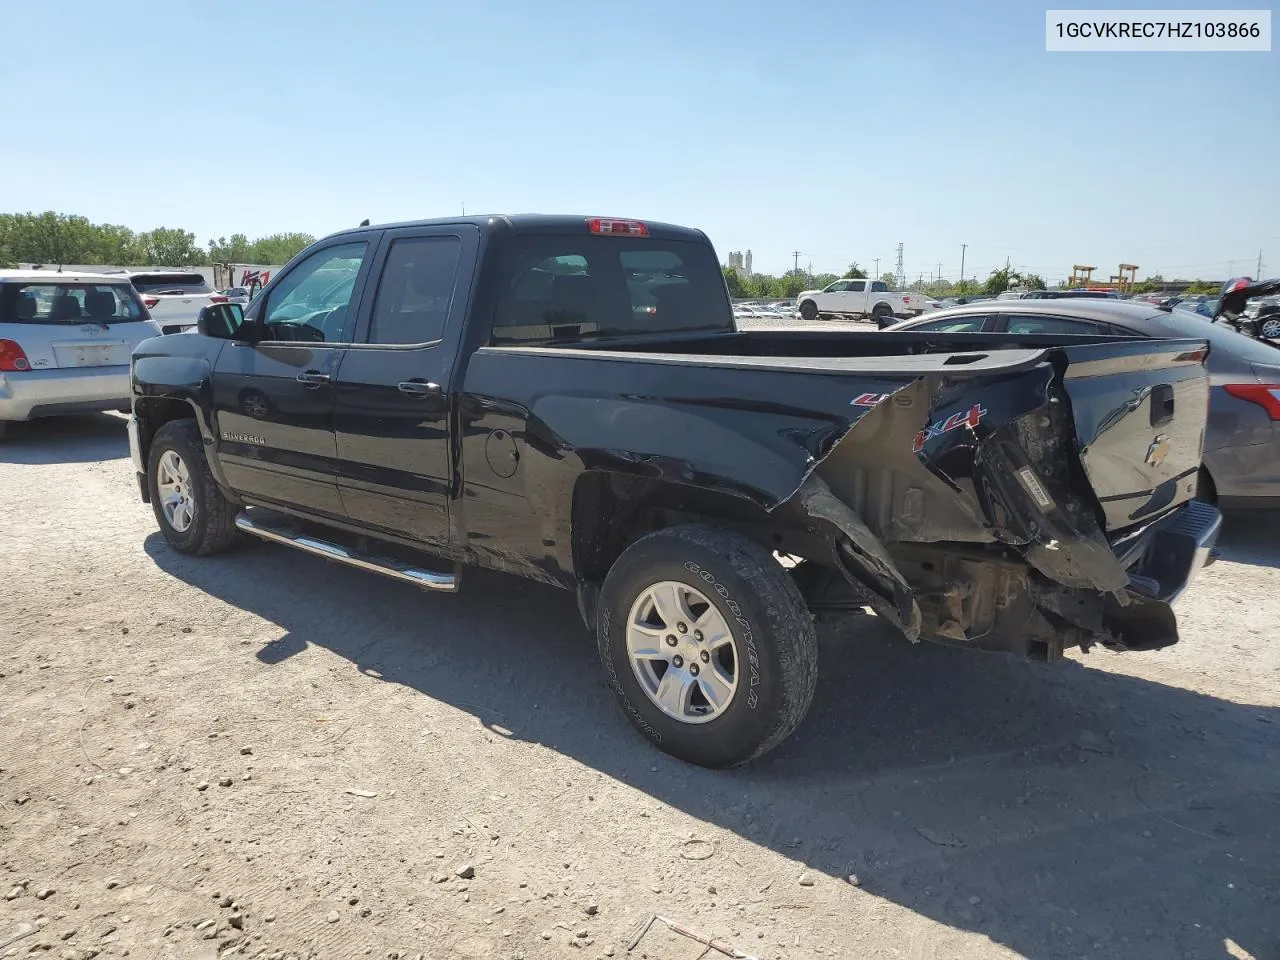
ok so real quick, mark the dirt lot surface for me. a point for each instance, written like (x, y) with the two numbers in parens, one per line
(263, 753)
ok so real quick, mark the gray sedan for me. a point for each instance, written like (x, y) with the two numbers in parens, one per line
(1242, 444)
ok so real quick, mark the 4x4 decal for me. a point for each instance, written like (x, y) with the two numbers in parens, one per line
(970, 418)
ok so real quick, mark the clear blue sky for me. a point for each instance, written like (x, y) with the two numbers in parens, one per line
(833, 128)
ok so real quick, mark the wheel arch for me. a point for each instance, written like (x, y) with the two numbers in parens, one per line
(153, 411)
(610, 511)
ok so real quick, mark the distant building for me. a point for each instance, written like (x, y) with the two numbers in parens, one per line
(740, 262)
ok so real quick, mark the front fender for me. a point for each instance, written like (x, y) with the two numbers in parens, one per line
(171, 378)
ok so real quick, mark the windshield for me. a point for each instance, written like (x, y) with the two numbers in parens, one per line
(566, 287)
(70, 302)
(173, 283)
(1221, 337)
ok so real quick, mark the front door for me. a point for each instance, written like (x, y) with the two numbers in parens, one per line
(273, 399)
(391, 396)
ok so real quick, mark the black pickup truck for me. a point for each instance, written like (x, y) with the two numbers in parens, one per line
(568, 399)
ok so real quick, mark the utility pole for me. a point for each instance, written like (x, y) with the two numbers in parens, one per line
(1258, 275)
(876, 276)
(939, 273)
(899, 275)
(796, 254)
(464, 208)
(963, 247)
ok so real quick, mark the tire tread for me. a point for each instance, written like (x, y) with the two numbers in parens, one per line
(214, 512)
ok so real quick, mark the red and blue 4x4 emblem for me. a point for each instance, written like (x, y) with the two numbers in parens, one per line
(969, 418)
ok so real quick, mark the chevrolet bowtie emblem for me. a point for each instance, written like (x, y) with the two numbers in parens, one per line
(1158, 450)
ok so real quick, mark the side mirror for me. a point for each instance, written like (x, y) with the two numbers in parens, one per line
(220, 320)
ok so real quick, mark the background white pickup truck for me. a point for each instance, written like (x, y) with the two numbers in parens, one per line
(861, 298)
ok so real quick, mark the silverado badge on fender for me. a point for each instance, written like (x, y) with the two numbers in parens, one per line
(244, 438)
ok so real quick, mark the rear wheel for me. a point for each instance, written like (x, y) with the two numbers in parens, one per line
(882, 314)
(808, 311)
(192, 513)
(707, 644)
(1270, 328)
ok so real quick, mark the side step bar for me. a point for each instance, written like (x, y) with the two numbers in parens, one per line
(443, 582)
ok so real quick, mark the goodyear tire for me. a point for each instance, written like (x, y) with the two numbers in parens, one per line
(192, 513)
(707, 644)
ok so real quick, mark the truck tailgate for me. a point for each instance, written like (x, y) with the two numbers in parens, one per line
(1139, 409)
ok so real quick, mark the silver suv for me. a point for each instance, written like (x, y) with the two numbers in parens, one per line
(65, 342)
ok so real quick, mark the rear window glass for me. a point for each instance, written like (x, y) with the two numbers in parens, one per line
(68, 303)
(566, 287)
(1220, 337)
(171, 283)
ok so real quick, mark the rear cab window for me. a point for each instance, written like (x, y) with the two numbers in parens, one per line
(69, 302)
(565, 287)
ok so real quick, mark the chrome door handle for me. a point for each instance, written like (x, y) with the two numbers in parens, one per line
(313, 378)
(419, 388)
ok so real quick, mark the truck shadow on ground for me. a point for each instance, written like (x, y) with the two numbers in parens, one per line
(82, 439)
(1061, 811)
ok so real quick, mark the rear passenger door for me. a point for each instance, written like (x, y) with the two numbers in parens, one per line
(392, 392)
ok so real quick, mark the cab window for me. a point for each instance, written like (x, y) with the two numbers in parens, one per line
(415, 291)
(1038, 324)
(953, 325)
(311, 303)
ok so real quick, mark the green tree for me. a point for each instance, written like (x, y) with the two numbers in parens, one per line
(50, 237)
(822, 281)
(1000, 281)
(1205, 286)
(279, 248)
(734, 282)
(890, 279)
(1033, 281)
(792, 283)
(170, 247)
(7, 259)
(117, 245)
(855, 272)
(235, 250)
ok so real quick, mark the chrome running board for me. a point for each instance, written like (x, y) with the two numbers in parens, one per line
(428, 579)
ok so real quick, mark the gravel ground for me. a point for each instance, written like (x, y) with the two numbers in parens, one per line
(262, 753)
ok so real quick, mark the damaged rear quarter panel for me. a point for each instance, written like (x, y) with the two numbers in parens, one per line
(800, 440)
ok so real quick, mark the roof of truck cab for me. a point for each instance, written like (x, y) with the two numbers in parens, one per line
(538, 223)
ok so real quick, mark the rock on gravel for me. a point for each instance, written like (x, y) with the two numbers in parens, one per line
(465, 872)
